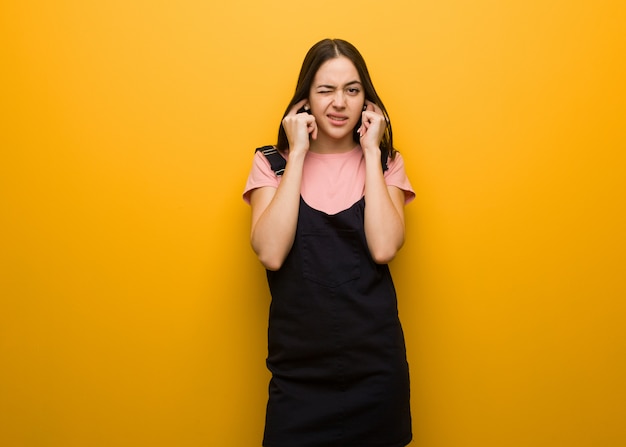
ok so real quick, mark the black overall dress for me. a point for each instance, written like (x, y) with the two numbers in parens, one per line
(335, 344)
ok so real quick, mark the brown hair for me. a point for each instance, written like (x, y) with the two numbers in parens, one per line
(318, 54)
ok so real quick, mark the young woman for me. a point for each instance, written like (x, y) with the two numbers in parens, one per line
(327, 216)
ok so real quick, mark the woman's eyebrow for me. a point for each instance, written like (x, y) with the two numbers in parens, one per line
(334, 86)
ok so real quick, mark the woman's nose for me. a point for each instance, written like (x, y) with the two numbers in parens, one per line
(339, 99)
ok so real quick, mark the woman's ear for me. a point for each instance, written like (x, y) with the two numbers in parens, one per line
(306, 108)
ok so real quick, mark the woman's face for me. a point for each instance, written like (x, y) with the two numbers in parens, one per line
(336, 99)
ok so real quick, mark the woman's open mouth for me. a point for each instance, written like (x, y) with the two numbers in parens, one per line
(337, 120)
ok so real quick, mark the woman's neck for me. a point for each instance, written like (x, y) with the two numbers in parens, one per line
(330, 146)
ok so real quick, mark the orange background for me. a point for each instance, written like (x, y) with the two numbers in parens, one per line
(133, 312)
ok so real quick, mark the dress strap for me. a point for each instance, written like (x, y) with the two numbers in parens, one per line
(276, 160)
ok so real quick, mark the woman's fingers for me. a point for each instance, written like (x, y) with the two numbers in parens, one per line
(372, 107)
(373, 123)
(299, 126)
(313, 128)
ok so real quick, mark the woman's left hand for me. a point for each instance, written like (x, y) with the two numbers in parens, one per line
(373, 125)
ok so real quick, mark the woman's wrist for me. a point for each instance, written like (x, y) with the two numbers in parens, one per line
(372, 153)
(297, 154)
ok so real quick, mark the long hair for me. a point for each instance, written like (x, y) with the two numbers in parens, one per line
(318, 54)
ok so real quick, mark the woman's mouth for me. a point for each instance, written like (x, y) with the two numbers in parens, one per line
(337, 120)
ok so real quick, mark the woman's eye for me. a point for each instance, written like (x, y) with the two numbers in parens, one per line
(353, 91)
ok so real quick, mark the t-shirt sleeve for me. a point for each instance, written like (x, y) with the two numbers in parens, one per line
(260, 175)
(396, 176)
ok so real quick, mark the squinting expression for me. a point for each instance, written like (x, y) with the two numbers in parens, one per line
(336, 99)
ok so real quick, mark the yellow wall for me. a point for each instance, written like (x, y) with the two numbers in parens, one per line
(133, 312)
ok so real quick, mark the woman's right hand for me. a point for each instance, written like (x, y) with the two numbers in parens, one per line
(298, 127)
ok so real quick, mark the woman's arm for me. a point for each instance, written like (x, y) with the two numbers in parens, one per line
(275, 210)
(384, 214)
(384, 205)
(275, 215)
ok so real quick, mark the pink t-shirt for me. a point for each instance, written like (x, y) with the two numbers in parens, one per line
(330, 182)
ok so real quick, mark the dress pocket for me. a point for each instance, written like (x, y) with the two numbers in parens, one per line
(331, 258)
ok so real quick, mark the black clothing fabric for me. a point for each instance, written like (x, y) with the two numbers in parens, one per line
(336, 348)
(277, 162)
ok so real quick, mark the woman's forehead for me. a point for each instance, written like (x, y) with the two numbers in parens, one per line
(337, 71)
